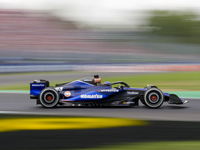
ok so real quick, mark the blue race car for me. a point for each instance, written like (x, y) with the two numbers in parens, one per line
(90, 92)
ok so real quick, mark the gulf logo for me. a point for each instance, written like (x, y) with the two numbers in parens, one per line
(67, 94)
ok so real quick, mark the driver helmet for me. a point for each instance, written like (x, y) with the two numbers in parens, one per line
(107, 83)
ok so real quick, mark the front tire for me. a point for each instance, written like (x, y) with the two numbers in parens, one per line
(49, 97)
(153, 98)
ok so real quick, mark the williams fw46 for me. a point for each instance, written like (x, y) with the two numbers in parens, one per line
(90, 92)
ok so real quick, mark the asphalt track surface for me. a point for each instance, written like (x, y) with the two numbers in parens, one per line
(71, 139)
(21, 104)
(168, 123)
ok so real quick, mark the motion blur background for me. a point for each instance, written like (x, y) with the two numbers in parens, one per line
(136, 41)
(59, 35)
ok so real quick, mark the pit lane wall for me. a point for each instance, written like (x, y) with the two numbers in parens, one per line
(101, 68)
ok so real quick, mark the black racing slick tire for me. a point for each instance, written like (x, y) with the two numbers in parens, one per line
(153, 98)
(49, 97)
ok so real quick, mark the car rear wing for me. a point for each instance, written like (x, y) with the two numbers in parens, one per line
(36, 87)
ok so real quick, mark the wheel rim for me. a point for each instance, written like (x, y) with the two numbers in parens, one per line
(154, 97)
(49, 97)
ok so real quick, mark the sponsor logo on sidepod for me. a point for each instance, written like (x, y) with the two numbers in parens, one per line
(67, 94)
(92, 96)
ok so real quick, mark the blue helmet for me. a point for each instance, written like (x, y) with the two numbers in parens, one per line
(107, 83)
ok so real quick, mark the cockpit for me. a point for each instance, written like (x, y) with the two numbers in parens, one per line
(121, 85)
(97, 81)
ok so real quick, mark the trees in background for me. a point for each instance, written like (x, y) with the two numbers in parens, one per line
(175, 23)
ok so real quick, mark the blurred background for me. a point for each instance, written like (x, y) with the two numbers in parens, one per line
(67, 35)
(136, 41)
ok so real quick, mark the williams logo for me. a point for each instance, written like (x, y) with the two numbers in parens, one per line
(92, 96)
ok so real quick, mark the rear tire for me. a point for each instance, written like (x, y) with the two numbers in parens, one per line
(153, 98)
(49, 97)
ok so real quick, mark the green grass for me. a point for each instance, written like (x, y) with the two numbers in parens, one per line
(176, 81)
(186, 81)
(184, 145)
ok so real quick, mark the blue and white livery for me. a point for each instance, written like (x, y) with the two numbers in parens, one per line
(90, 92)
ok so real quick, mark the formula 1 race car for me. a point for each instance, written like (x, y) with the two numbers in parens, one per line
(90, 92)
